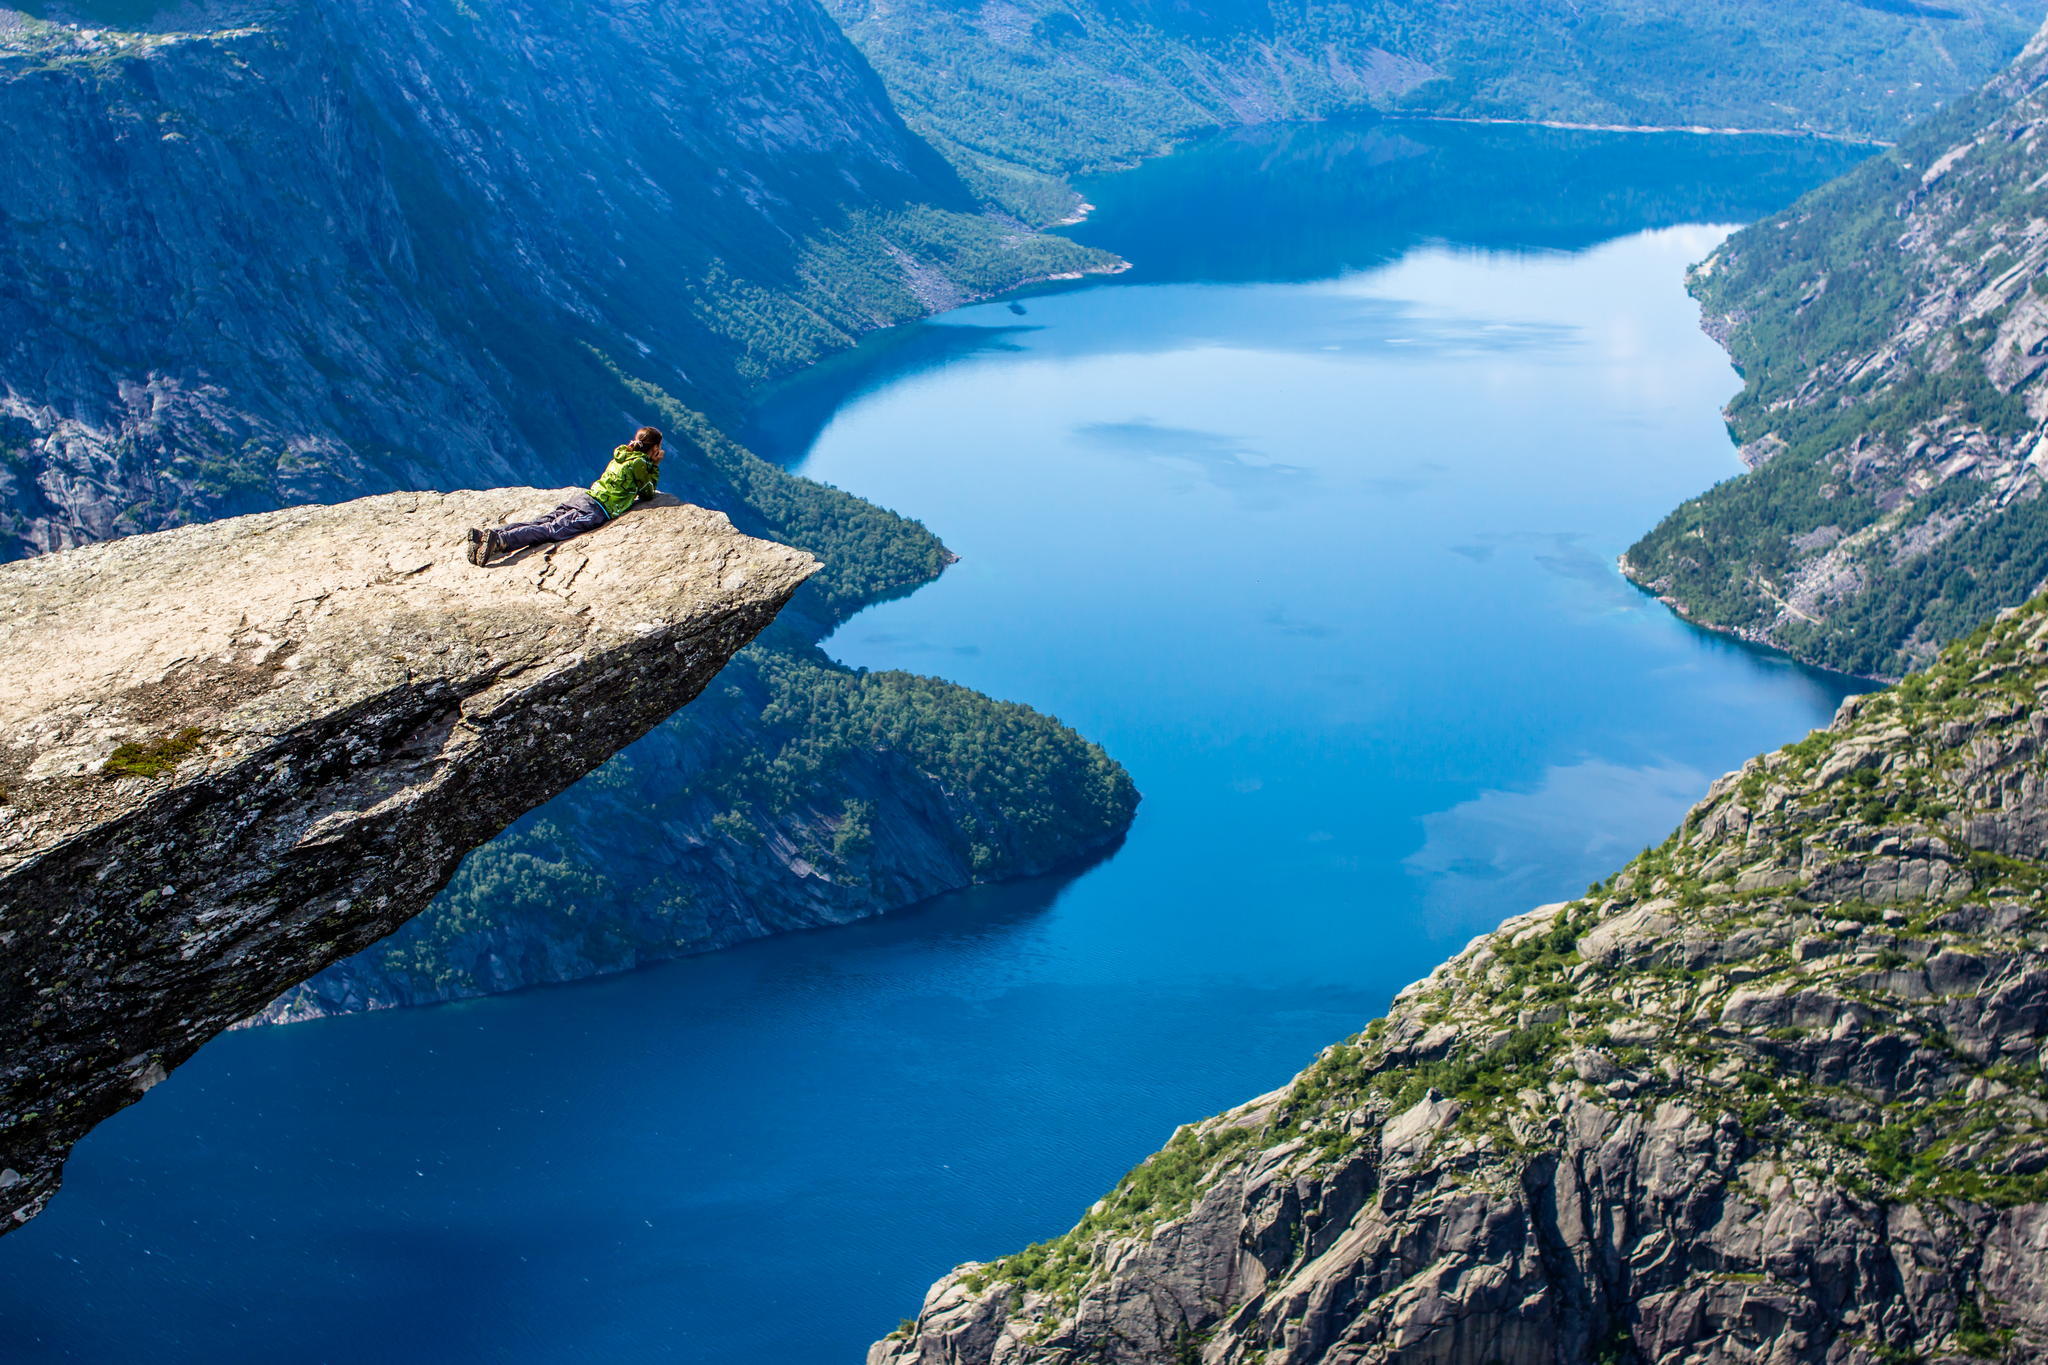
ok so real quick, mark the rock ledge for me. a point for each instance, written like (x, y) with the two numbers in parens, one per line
(232, 754)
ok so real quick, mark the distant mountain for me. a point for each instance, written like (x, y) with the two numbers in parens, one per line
(1892, 330)
(1021, 92)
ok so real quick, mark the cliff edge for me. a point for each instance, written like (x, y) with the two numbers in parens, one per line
(1773, 1093)
(234, 753)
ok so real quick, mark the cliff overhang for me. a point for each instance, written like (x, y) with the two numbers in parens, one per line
(232, 754)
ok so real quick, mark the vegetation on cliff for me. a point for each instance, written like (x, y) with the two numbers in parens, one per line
(1774, 1087)
(1892, 330)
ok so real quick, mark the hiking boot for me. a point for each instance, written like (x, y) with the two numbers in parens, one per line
(479, 545)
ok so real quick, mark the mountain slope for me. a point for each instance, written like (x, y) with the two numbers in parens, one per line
(332, 247)
(312, 249)
(1892, 331)
(1022, 91)
(1773, 1093)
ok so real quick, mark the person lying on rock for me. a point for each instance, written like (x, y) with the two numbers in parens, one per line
(628, 478)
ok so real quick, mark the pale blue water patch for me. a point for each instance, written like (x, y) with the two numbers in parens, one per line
(1343, 601)
(1311, 519)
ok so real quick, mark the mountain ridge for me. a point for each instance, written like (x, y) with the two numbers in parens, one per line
(1021, 94)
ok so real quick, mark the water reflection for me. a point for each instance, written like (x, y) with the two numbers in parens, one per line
(1300, 203)
(1214, 459)
(1509, 847)
(1307, 202)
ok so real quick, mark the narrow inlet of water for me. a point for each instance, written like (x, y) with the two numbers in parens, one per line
(1310, 518)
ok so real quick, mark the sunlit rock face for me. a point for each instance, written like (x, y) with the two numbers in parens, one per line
(233, 754)
(1892, 330)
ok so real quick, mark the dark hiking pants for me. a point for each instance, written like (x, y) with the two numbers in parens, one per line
(579, 514)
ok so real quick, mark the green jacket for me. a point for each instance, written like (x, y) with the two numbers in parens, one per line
(627, 479)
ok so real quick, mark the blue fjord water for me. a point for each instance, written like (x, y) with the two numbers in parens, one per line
(1310, 518)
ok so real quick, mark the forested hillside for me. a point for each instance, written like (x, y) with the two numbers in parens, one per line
(327, 248)
(1021, 92)
(1892, 331)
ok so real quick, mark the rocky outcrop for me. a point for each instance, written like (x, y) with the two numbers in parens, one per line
(234, 753)
(1892, 330)
(270, 252)
(1774, 1093)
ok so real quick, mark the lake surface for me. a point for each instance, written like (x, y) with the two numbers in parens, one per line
(1310, 518)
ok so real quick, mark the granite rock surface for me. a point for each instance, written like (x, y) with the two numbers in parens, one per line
(233, 754)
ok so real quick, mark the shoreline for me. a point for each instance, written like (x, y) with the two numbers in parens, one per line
(1754, 638)
(1695, 129)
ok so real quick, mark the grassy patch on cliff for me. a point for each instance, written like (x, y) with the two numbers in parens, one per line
(155, 757)
(1664, 1017)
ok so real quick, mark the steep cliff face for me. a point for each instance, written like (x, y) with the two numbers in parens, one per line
(249, 748)
(338, 246)
(1020, 91)
(1892, 329)
(1773, 1093)
(300, 250)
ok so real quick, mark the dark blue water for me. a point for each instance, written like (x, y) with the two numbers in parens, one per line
(1310, 519)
